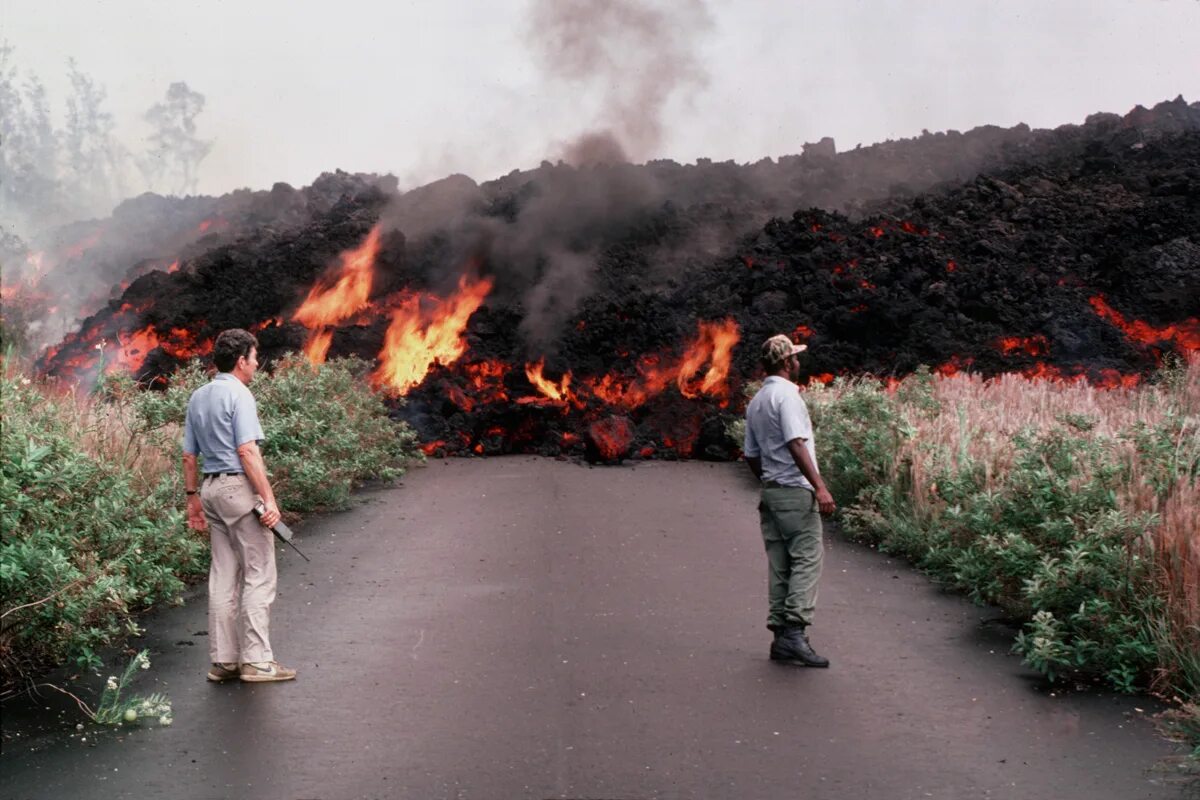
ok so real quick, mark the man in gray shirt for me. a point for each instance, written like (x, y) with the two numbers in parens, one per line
(222, 426)
(779, 450)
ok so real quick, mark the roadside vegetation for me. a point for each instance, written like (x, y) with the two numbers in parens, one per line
(1073, 509)
(91, 496)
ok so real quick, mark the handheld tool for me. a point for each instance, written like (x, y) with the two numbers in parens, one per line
(281, 531)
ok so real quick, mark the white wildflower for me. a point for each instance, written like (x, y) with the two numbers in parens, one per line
(112, 683)
(165, 719)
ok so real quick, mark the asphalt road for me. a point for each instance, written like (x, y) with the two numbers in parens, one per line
(526, 628)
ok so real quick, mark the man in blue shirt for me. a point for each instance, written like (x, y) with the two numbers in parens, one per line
(779, 450)
(222, 426)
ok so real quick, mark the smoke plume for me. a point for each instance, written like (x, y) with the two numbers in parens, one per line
(637, 55)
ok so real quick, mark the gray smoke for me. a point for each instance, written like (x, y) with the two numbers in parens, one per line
(637, 55)
(543, 250)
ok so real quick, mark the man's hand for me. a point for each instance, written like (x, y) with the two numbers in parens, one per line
(825, 501)
(195, 514)
(270, 514)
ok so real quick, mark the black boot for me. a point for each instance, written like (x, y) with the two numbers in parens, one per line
(791, 645)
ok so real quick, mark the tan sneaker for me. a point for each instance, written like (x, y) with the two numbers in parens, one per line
(219, 673)
(262, 671)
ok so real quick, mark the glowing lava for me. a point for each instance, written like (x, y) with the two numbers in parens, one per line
(1185, 335)
(1030, 345)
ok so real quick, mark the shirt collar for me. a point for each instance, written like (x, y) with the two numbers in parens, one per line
(778, 379)
(225, 376)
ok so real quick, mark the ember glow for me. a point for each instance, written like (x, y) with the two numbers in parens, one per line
(79, 248)
(1030, 345)
(1184, 335)
(133, 348)
(612, 436)
(424, 331)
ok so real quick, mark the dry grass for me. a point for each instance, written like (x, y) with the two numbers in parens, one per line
(109, 430)
(979, 418)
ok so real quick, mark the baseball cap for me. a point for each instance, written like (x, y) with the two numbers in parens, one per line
(778, 348)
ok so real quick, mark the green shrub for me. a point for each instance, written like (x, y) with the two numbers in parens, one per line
(326, 431)
(87, 540)
(91, 494)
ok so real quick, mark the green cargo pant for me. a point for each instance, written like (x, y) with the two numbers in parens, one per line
(791, 530)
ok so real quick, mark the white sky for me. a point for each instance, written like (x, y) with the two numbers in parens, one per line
(426, 88)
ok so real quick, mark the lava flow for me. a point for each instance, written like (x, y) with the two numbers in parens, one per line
(1185, 335)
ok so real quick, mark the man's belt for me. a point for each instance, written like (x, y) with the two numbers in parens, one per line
(778, 485)
(221, 474)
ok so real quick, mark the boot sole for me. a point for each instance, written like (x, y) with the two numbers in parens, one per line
(796, 662)
(267, 678)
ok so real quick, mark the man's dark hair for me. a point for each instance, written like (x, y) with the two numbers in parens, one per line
(232, 345)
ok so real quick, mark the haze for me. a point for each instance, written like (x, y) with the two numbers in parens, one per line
(424, 89)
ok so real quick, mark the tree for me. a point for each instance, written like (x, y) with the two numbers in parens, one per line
(176, 150)
(29, 186)
(94, 159)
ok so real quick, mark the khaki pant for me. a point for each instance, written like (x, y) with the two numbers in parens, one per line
(791, 530)
(241, 580)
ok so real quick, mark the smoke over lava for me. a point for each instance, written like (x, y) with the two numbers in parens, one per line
(615, 310)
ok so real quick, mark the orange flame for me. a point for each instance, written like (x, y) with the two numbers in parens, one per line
(417, 339)
(272, 322)
(559, 392)
(714, 345)
(316, 347)
(328, 305)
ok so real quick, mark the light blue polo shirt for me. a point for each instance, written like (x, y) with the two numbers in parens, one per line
(221, 416)
(776, 416)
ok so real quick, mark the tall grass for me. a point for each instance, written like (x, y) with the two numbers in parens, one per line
(1073, 508)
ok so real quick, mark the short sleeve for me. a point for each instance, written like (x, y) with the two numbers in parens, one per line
(750, 445)
(245, 420)
(794, 420)
(189, 433)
